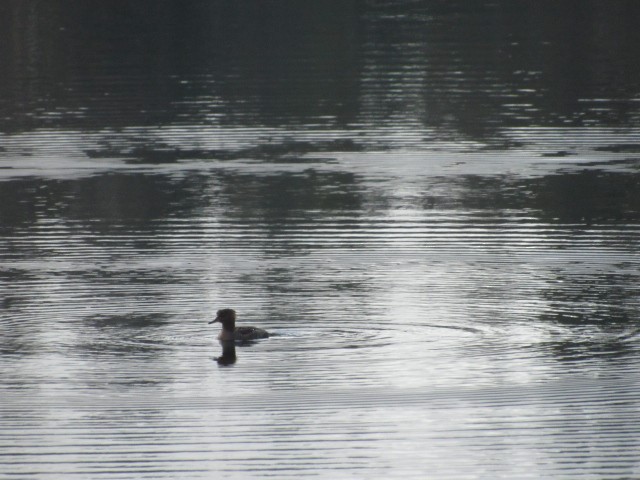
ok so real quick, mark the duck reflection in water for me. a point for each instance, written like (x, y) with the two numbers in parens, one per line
(228, 356)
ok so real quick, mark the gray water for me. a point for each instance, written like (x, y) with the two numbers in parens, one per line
(434, 208)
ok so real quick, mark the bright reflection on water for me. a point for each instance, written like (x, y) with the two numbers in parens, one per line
(414, 319)
(446, 258)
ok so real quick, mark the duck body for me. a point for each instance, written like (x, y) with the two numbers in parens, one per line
(242, 334)
(230, 333)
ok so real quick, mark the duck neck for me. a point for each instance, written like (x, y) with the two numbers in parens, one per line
(229, 326)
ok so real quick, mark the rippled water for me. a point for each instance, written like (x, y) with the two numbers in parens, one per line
(446, 299)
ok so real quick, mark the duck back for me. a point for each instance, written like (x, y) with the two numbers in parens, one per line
(249, 333)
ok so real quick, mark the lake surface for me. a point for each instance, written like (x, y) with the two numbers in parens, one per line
(434, 207)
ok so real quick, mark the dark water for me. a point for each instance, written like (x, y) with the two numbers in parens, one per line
(434, 207)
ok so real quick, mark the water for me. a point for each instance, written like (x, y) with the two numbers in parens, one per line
(433, 207)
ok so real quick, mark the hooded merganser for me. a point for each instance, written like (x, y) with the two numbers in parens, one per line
(229, 332)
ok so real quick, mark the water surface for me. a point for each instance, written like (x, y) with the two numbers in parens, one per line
(433, 207)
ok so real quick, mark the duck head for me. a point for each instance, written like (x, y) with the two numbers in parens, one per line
(227, 317)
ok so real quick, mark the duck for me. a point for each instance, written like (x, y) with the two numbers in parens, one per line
(229, 332)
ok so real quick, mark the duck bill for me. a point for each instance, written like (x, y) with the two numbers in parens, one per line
(217, 319)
